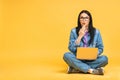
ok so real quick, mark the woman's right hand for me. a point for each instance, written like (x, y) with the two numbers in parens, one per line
(82, 32)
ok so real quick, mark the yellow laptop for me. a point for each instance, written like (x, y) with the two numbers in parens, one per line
(86, 53)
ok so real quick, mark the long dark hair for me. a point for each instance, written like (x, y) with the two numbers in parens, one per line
(90, 27)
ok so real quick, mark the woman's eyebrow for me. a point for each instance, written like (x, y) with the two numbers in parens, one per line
(83, 16)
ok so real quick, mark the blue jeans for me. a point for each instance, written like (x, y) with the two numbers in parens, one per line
(84, 65)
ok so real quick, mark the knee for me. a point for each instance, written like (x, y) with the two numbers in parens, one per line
(66, 55)
(104, 59)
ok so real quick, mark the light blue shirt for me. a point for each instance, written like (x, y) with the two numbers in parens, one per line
(97, 42)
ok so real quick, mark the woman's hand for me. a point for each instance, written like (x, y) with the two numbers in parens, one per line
(82, 32)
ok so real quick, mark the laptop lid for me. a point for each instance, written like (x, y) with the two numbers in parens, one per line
(86, 53)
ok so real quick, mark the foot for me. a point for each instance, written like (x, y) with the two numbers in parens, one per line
(72, 70)
(69, 70)
(98, 71)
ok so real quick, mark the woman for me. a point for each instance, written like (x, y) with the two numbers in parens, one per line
(85, 35)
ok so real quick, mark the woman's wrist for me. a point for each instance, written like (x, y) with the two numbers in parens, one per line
(79, 38)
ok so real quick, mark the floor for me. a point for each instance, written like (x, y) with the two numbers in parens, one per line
(31, 65)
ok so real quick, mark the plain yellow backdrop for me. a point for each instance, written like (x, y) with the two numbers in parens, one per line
(37, 31)
(44, 25)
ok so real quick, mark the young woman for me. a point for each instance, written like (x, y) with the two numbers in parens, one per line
(85, 35)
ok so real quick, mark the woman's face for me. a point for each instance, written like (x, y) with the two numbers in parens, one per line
(84, 20)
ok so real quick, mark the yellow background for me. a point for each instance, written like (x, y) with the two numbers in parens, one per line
(34, 35)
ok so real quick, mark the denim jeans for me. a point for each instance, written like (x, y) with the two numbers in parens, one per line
(84, 65)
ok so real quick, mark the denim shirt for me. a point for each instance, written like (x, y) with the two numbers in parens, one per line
(97, 42)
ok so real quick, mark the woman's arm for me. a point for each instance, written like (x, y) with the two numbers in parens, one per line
(72, 45)
(75, 42)
(99, 43)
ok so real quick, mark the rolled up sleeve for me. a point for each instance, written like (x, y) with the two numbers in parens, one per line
(72, 45)
(99, 44)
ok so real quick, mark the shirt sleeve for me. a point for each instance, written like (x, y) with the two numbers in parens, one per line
(99, 44)
(72, 45)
